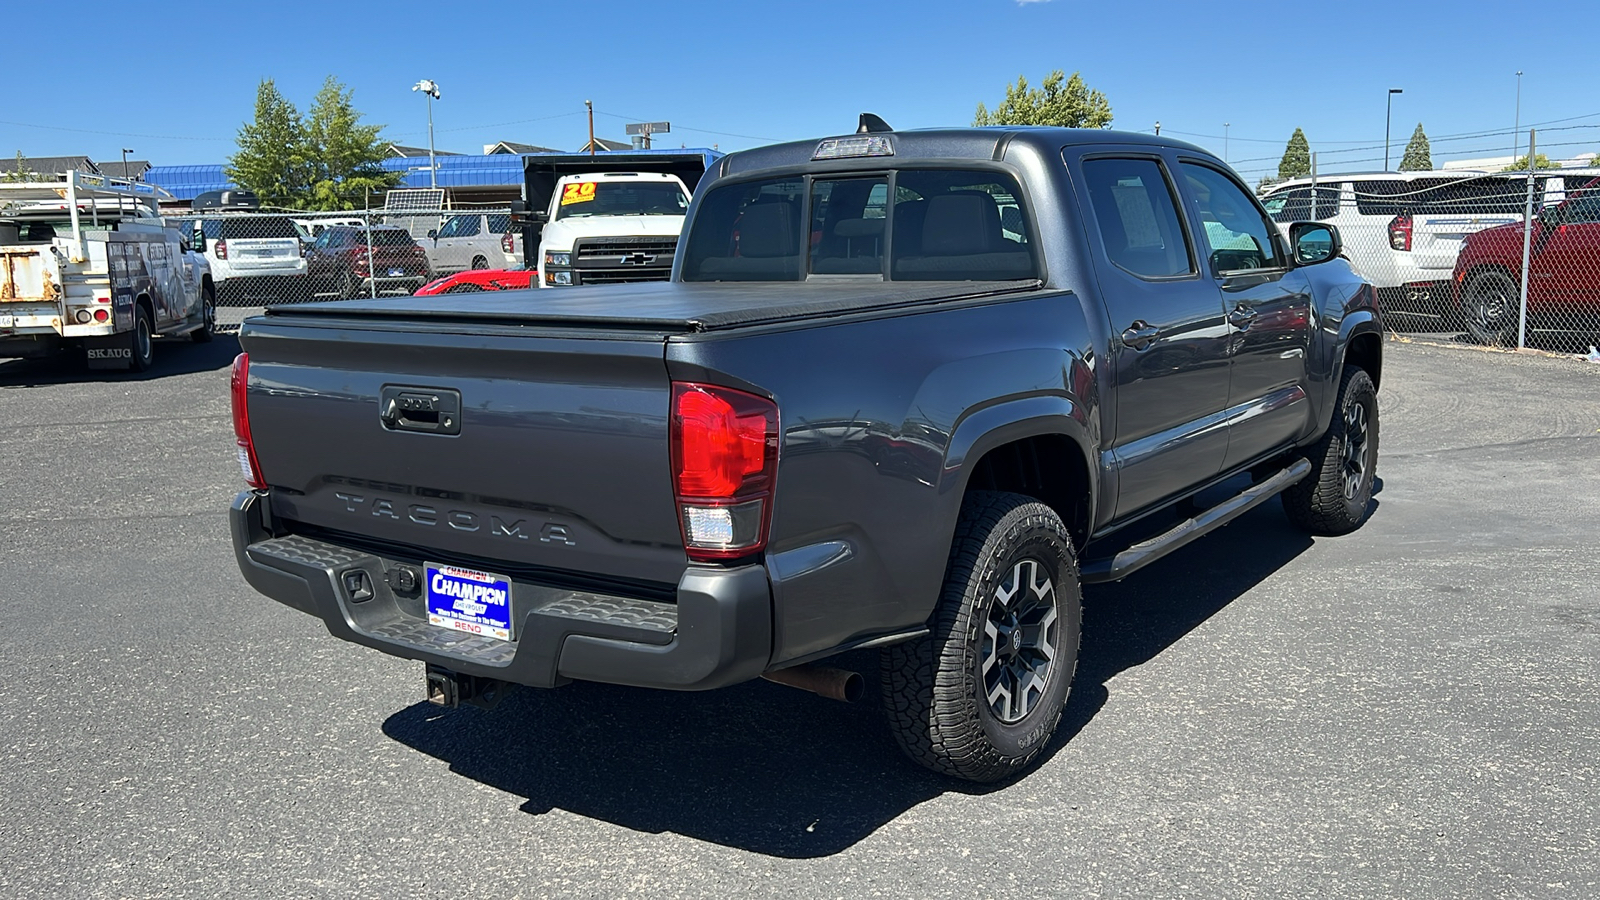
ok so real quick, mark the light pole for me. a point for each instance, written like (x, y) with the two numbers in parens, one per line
(432, 90)
(1516, 130)
(125, 152)
(1388, 114)
(1225, 126)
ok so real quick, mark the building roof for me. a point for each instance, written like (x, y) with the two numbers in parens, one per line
(603, 144)
(51, 165)
(188, 182)
(512, 147)
(400, 151)
(112, 168)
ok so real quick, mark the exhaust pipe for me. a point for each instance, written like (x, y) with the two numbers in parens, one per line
(824, 681)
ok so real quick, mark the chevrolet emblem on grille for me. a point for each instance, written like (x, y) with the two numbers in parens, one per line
(638, 259)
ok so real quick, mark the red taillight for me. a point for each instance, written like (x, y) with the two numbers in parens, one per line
(1400, 232)
(724, 461)
(241, 424)
(101, 315)
(507, 244)
(221, 247)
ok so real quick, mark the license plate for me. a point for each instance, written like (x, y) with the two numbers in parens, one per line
(468, 600)
(397, 272)
(8, 321)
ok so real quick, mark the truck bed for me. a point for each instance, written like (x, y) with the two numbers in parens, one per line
(664, 307)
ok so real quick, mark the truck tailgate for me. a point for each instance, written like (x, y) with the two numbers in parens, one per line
(539, 450)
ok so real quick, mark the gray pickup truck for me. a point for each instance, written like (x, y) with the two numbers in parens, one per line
(904, 390)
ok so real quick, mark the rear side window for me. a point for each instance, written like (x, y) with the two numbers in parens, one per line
(499, 224)
(243, 227)
(1138, 217)
(460, 226)
(1295, 204)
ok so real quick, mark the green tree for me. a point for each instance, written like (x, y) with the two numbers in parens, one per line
(1296, 162)
(1540, 161)
(1070, 105)
(21, 172)
(344, 154)
(273, 159)
(1418, 156)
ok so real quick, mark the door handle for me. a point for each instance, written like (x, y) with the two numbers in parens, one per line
(1140, 334)
(1242, 316)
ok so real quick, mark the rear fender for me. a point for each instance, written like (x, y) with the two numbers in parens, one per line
(985, 429)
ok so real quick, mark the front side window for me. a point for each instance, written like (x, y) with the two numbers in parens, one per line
(1138, 217)
(1240, 238)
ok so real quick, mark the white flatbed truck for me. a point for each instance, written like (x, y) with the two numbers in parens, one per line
(88, 262)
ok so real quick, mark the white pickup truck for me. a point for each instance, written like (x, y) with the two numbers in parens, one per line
(612, 227)
(86, 261)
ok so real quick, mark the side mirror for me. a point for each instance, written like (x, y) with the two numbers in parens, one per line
(433, 234)
(1550, 216)
(519, 208)
(1314, 242)
(197, 239)
(539, 217)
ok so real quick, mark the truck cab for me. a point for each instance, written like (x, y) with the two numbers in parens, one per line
(606, 218)
(611, 227)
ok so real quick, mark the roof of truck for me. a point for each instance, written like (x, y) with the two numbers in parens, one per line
(946, 143)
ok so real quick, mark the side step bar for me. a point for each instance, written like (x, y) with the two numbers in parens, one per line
(1145, 552)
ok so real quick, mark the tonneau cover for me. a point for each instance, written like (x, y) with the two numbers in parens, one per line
(664, 306)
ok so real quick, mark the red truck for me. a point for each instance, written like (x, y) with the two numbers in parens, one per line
(1563, 272)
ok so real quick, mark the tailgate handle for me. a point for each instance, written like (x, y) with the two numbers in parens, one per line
(426, 410)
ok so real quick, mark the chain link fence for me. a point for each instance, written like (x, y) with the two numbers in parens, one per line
(262, 258)
(1507, 259)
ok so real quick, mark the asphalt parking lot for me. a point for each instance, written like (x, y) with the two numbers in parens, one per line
(1409, 711)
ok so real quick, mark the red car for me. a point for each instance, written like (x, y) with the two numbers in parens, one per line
(1563, 272)
(341, 264)
(474, 280)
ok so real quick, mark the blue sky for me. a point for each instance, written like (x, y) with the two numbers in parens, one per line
(743, 74)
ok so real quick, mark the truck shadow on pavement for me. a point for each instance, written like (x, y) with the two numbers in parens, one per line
(772, 770)
(176, 356)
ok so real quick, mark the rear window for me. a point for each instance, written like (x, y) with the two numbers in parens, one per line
(390, 237)
(909, 225)
(258, 227)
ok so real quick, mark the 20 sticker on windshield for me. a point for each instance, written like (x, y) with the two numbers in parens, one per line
(468, 600)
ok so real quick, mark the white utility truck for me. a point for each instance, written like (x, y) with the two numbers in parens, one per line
(86, 261)
(607, 218)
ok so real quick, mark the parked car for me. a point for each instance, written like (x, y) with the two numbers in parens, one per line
(343, 265)
(474, 241)
(255, 259)
(474, 280)
(1402, 230)
(1563, 270)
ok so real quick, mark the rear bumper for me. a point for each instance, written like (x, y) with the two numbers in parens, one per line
(719, 632)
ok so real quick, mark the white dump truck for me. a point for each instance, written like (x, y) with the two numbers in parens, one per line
(87, 262)
(606, 218)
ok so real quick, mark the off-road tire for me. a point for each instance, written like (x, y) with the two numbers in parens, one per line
(1334, 497)
(208, 317)
(934, 690)
(141, 341)
(1491, 306)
